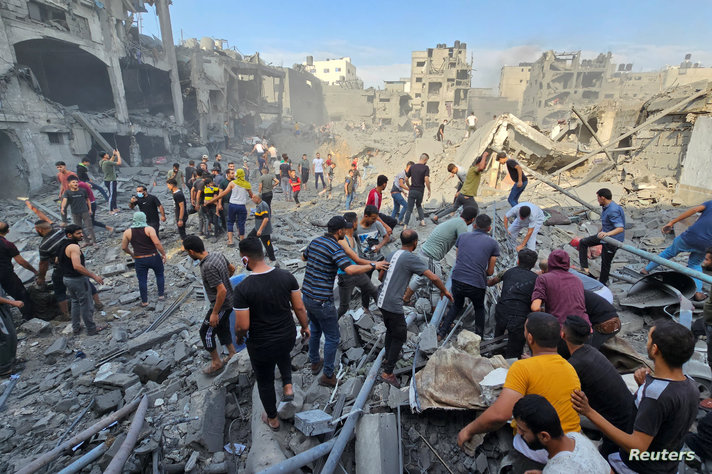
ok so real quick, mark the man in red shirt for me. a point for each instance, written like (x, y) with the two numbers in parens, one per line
(63, 175)
(375, 198)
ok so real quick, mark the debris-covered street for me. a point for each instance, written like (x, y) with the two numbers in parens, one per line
(460, 283)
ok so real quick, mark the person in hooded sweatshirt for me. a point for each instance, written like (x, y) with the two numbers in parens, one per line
(558, 290)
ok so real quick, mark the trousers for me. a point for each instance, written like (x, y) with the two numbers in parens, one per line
(317, 177)
(208, 334)
(142, 266)
(399, 206)
(693, 261)
(460, 291)
(263, 359)
(266, 242)
(323, 320)
(84, 221)
(396, 335)
(515, 192)
(415, 199)
(13, 286)
(111, 186)
(236, 212)
(607, 253)
(79, 290)
(460, 200)
(347, 283)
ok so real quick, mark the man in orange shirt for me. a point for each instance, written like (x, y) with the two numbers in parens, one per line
(546, 373)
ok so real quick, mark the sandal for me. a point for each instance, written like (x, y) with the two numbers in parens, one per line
(265, 420)
(212, 371)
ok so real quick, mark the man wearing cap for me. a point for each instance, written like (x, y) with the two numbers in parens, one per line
(324, 256)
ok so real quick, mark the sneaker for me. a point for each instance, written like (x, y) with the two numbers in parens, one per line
(316, 368)
(325, 381)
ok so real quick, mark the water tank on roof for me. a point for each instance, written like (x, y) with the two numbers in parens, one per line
(207, 43)
(218, 44)
(629, 67)
(457, 44)
(688, 56)
(621, 67)
(310, 60)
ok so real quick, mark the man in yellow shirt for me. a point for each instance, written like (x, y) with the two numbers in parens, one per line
(546, 373)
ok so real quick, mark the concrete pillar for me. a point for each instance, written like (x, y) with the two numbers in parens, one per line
(164, 19)
(377, 444)
(7, 52)
(111, 50)
(203, 98)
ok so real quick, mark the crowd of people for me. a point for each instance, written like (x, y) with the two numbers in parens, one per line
(561, 315)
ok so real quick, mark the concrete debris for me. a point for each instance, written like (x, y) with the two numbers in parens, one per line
(377, 443)
(313, 422)
(107, 402)
(35, 327)
(349, 337)
(287, 410)
(207, 432)
(491, 385)
(428, 340)
(109, 375)
(58, 347)
(468, 342)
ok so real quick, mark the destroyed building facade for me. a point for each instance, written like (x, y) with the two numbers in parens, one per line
(333, 72)
(439, 82)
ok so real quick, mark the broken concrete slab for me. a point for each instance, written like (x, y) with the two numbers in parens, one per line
(208, 430)
(377, 443)
(265, 450)
(110, 375)
(313, 422)
(129, 297)
(287, 410)
(58, 348)
(82, 366)
(428, 340)
(107, 402)
(35, 326)
(349, 337)
(115, 269)
(355, 353)
(397, 397)
(316, 394)
(351, 387)
(151, 366)
(153, 338)
(469, 342)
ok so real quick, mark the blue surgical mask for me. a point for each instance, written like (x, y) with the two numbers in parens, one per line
(139, 195)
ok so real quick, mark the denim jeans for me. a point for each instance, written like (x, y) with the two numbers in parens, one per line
(100, 189)
(693, 261)
(317, 177)
(415, 198)
(142, 265)
(460, 291)
(79, 291)
(399, 206)
(514, 194)
(236, 212)
(323, 319)
(349, 200)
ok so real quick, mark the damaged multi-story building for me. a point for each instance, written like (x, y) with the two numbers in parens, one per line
(439, 82)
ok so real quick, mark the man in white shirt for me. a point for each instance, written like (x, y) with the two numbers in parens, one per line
(471, 122)
(524, 215)
(539, 427)
(318, 168)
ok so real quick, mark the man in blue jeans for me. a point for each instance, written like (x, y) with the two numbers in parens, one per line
(477, 253)
(400, 187)
(148, 254)
(516, 174)
(696, 239)
(324, 256)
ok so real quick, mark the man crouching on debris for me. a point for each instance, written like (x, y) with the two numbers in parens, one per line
(546, 373)
(403, 265)
(263, 304)
(324, 256)
(216, 272)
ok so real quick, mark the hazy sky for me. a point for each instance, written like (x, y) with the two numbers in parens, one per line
(380, 35)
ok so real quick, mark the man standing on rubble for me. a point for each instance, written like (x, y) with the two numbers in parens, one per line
(216, 272)
(403, 264)
(512, 308)
(471, 122)
(545, 373)
(263, 226)
(419, 175)
(696, 239)
(108, 167)
(177, 174)
(458, 200)
(612, 225)
(304, 169)
(606, 391)
(263, 304)
(516, 174)
(477, 254)
(524, 216)
(149, 205)
(78, 201)
(75, 277)
(148, 254)
(83, 175)
(375, 198)
(666, 404)
(181, 210)
(400, 187)
(9, 281)
(318, 167)
(559, 291)
(266, 186)
(437, 245)
(63, 175)
(324, 256)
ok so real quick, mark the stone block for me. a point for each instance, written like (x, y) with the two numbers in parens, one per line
(115, 269)
(349, 338)
(316, 394)
(355, 353)
(266, 449)
(469, 342)
(35, 326)
(208, 430)
(153, 338)
(376, 443)
(351, 387)
(109, 375)
(397, 397)
(119, 333)
(151, 366)
(492, 384)
(428, 340)
(82, 366)
(129, 297)
(287, 410)
(107, 402)
(238, 366)
(365, 322)
(313, 422)
(181, 352)
(58, 347)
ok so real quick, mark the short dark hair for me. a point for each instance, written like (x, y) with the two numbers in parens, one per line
(708, 250)
(217, 154)
(675, 341)
(60, 163)
(424, 155)
(252, 248)
(381, 180)
(102, 154)
(172, 182)
(525, 211)
(468, 213)
(501, 155)
(335, 224)
(208, 179)
(451, 167)
(577, 329)
(43, 223)
(408, 236)
(86, 159)
(605, 193)
(483, 222)
(370, 210)
(72, 178)
(410, 163)
(5, 228)
(191, 162)
(141, 186)
(176, 165)
(538, 414)
(194, 243)
(544, 328)
(72, 228)
(527, 258)
(351, 217)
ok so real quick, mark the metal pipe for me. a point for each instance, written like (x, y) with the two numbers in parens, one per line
(300, 460)
(84, 435)
(117, 463)
(442, 305)
(347, 430)
(13, 381)
(659, 260)
(88, 458)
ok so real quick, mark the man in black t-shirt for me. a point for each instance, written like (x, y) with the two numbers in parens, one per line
(149, 205)
(666, 405)
(263, 303)
(181, 210)
(9, 281)
(515, 300)
(604, 318)
(606, 391)
(419, 175)
(77, 199)
(517, 174)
